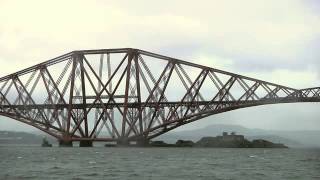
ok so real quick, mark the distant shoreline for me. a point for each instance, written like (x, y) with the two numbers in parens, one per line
(307, 140)
(225, 141)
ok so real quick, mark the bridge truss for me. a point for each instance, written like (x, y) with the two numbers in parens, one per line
(125, 95)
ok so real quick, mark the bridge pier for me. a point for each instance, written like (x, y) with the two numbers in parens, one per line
(123, 143)
(85, 143)
(65, 143)
(143, 143)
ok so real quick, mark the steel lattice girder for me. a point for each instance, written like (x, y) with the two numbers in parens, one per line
(129, 94)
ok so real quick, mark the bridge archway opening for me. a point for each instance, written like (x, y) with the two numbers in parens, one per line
(287, 116)
(9, 124)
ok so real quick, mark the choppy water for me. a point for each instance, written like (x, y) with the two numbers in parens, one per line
(157, 163)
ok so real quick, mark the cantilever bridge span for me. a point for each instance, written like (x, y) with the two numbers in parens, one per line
(129, 95)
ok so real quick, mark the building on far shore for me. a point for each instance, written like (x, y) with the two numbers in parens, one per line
(230, 137)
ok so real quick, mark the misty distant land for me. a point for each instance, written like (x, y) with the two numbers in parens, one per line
(292, 139)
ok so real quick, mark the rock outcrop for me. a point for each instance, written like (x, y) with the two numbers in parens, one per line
(235, 141)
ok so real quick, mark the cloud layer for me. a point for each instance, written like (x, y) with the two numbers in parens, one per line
(272, 40)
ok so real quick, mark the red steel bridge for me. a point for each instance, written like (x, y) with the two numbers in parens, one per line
(129, 95)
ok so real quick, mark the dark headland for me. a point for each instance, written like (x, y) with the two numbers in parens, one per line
(231, 140)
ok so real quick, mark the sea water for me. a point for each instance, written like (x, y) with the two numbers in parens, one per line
(32, 162)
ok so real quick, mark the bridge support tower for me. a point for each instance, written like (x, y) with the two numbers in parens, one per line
(85, 143)
(143, 142)
(123, 142)
(65, 143)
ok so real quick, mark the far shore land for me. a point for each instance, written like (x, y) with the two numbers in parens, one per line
(208, 136)
(225, 141)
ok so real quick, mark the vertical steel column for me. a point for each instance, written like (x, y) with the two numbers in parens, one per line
(84, 97)
(138, 91)
(126, 98)
(111, 112)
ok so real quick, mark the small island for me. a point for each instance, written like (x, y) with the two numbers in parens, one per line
(45, 143)
(231, 140)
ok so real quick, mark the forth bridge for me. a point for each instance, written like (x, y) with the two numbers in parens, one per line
(129, 95)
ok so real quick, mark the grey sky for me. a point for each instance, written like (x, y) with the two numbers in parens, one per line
(277, 41)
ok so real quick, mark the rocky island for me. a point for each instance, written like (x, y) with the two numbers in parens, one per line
(236, 141)
(231, 140)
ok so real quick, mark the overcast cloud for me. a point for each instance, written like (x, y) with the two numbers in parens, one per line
(277, 41)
